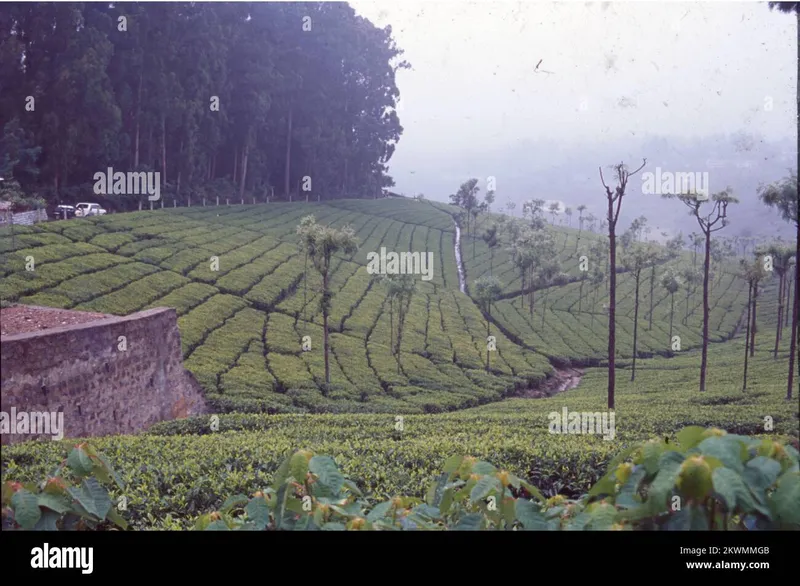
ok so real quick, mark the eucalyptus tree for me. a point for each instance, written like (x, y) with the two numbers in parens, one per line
(637, 256)
(400, 288)
(321, 243)
(554, 209)
(752, 272)
(782, 196)
(614, 200)
(488, 199)
(671, 281)
(568, 212)
(491, 240)
(714, 220)
(487, 290)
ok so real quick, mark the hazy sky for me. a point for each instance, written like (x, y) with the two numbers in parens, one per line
(617, 68)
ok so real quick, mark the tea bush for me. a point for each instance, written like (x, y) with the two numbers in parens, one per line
(707, 479)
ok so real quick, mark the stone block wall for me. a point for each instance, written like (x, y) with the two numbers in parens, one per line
(111, 376)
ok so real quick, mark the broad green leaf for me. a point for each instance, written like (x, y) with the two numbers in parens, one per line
(483, 468)
(628, 493)
(218, 525)
(470, 522)
(664, 482)
(233, 502)
(330, 481)
(725, 449)
(54, 502)
(447, 501)
(730, 486)
(483, 487)
(785, 501)
(379, 511)
(579, 522)
(436, 490)
(651, 456)
(47, 522)
(334, 526)
(79, 462)
(760, 473)
(689, 518)
(298, 467)
(26, 508)
(281, 474)
(529, 516)
(258, 512)
(690, 436)
(93, 497)
(603, 517)
(452, 464)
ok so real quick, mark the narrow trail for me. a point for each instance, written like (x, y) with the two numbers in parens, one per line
(562, 379)
(462, 283)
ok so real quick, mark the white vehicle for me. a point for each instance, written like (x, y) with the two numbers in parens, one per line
(83, 210)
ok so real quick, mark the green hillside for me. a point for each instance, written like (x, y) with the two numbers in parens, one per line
(242, 329)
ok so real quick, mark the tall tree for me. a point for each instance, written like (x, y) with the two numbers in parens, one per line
(636, 256)
(492, 242)
(752, 273)
(716, 219)
(780, 259)
(322, 242)
(783, 195)
(671, 282)
(614, 199)
(487, 290)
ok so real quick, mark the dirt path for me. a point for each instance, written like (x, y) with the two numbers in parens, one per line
(563, 379)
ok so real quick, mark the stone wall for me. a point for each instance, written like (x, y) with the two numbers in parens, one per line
(26, 218)
(111, 376)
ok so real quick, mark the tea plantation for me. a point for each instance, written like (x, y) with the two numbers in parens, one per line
(235, 276)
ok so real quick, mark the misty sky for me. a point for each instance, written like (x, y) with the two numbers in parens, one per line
(618, 69)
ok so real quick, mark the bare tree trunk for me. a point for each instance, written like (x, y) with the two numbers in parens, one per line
(652, 284)
(544, 307)
(236, 166)
(612, 300)
(780, 316)
(795, 310)
(245, 156)
(488, 333)
(391, 325)
(789, 282)
(138, 111)
(671, 313)
(635, 324)
(704, 359)
(180, 169)
(288, 168)
(325, 326)
(753, 327)
(164, 150)
(747, 334)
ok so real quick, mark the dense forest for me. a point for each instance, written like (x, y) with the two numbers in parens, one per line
(236, 99)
